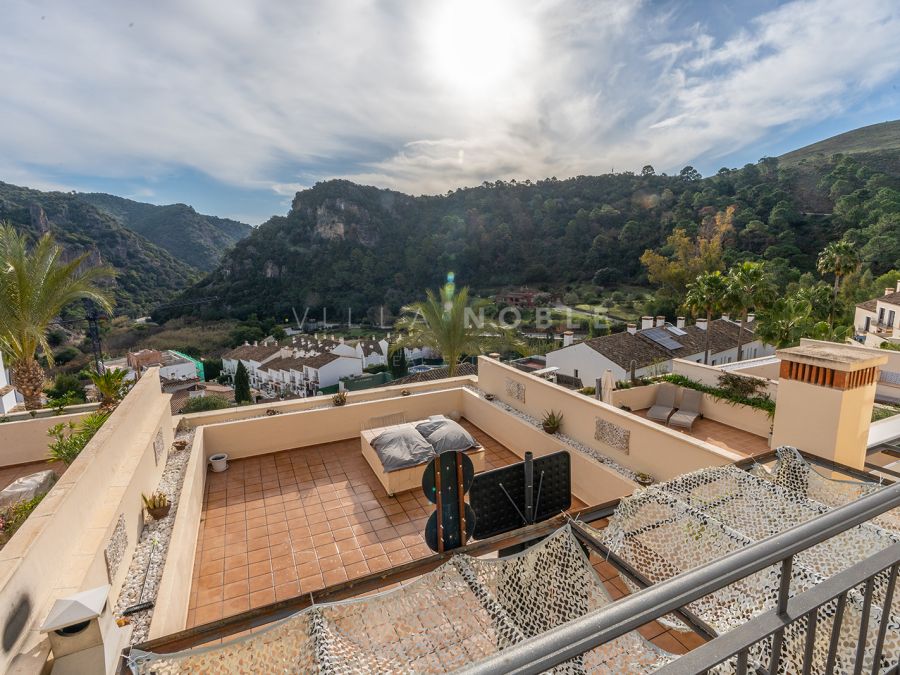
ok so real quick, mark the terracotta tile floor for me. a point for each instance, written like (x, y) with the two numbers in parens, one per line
(279, 525)
(673, 641)
(722, 435)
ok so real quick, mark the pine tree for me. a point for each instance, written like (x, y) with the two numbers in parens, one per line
(241, 384)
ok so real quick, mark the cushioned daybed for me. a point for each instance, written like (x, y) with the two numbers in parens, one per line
(398, 454)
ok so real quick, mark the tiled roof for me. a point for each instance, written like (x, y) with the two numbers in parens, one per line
(5, 390)
(889, 299)
(371, 347)
(321, 360)
(285, 363)
(623, 348)
(462, 370)
(250, 353)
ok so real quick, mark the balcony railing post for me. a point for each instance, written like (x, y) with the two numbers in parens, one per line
(885, 610)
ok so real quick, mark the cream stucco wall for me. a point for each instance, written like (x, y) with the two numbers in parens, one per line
(653, 449)
(27, 440)
(59, 550)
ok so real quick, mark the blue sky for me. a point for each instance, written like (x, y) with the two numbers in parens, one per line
(233, 106)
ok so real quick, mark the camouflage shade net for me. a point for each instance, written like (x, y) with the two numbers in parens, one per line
(463, 611)
(691, 520)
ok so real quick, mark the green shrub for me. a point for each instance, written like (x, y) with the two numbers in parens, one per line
(65, 383)
(762, 401)
(588, 391)
(203, 403)
(71, 438)
(12, 519)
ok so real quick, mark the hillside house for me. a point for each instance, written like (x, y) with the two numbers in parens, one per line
(878, 320)
(652, 348)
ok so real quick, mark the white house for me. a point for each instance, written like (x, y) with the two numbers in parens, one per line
(326, 370)
(7, 392)
(878, 320)
(372, 352)
(253, 357)
(652, 347)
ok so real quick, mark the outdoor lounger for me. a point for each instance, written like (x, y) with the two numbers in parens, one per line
(688, 411)
(665, 404)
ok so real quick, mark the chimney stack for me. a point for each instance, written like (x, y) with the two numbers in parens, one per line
(568, 338)
(256, 343)
(751, 318)
(660, 321)
(898, 286)
(342, 340)
(888, 291)
(679, 322)
(632, 328)
(701, 324)
(646, 322)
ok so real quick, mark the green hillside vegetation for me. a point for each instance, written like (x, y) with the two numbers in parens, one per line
(344, 244)
(146, 274)
(194, 238)
(873, 139)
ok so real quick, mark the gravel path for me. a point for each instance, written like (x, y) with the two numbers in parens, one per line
(150, 554)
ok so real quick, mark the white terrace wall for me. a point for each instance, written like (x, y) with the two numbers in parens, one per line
(62, 547)
(26, 440)
(709, 375)
(295, 405)
(652, 448)
(263, 435)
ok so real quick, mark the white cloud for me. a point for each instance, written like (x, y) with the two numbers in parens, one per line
(283, 94)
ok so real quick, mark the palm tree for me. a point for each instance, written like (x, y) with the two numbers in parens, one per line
(111, 385)
(839, 258)
(749, 285)
(35, 285)
(786, 321)
(706, 294)
(450, 326)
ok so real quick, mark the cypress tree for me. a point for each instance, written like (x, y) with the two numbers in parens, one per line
(241, 384)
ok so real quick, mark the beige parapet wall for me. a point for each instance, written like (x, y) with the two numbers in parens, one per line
(743, 417)
(294, 405)
(61, 547)
(653, 449)
(27, 440)
(49, 412)
(302, 428)
(709, 375)
(174, 593)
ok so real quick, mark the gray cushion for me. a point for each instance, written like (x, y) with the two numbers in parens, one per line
(445, 435)
(401, 448)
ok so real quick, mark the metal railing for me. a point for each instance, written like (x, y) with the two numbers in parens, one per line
(595, 628)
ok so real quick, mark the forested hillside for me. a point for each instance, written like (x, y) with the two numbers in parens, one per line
(344, 244)
(194, 238)
(146, 274)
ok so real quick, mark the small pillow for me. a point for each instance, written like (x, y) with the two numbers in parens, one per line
(446, 435)
(401, 447)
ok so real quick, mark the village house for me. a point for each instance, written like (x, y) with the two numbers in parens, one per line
(878, 320)
(650, 349)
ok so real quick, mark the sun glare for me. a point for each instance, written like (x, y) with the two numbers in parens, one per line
(479, 46)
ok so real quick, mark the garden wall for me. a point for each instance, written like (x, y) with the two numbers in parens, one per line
(63, 547)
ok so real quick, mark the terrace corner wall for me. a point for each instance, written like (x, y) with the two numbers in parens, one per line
(26, 440)
(62, 547)
(652, 449)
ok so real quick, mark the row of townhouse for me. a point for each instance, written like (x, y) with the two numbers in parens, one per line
(293, 370)
(309, 363)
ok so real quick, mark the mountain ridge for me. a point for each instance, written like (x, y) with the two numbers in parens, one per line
(196, 239)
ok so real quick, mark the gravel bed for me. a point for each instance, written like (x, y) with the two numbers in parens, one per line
(593, 453)
(150, 553)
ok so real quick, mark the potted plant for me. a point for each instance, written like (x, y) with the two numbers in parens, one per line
(489, 397)
(219, 462)
(552, 421)
(157, 505)
(644, 479)
(179, 445)
(405, 392)
(339, 398)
